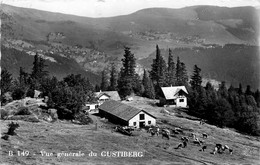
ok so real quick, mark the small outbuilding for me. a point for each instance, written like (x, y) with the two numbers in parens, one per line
(175, 96)
(122, 114)
(103, 96)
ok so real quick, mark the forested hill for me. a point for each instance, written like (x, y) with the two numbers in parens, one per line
(231, 63)
(13, 59)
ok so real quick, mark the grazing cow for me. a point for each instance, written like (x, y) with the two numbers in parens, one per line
(196, 142)
(152, 133)
(149, 130)
(154, 129)
(184, 138)
(219, 146)
(180, 145)
(166, 133)
(202, 122)
(226, 147)
(179, 130)
(201, 142)
(184, 144)
(205, 135)
(230, 151)
(204, 147)
(215, 150)
(157, 130)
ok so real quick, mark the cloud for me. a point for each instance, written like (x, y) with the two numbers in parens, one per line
(101, 1)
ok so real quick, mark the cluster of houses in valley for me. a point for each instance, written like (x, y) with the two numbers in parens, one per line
(110, 106)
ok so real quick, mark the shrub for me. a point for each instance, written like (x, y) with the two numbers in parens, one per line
(23, 111)
(4, 113)
(83, 119)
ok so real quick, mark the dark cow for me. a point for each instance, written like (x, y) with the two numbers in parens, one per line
(205, 135)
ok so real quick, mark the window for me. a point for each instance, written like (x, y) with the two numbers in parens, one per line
(181, 100)
(134, 123)
(141, 116)
(149, 122)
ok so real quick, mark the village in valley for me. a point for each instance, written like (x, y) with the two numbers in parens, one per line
(102, 109)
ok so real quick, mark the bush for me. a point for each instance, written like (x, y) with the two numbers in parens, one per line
(83, 119)
(18, 94)
(23, 111)
(4, 113)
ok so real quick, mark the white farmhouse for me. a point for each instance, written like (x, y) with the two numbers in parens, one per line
(176, 96)
(122, 114)
(101, 97)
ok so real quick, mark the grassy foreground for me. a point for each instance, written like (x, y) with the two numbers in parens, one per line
(54, 143)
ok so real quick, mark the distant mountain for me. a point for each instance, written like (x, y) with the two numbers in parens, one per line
(93, 42)
(179, 27)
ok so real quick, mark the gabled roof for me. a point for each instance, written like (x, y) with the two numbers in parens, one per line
(171, 92)
(112, 94)
(121, 110)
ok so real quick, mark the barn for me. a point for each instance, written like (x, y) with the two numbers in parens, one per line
(122, 114)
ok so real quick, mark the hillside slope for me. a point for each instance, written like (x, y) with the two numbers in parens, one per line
(63, 136)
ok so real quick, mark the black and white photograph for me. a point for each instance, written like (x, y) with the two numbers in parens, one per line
(130, 82)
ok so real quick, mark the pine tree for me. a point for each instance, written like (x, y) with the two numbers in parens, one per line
(196, 79)
(6, 81)
(184, 76)
(248, 90)
(231, 88)
(36, 68)
(170, 79)
(127, 75)
(222, 91)
(178, 71)
(97, 88)
(158, 71)
(23, 77)
(104, 81)
(42, 73)
(257, 97)
(148, 86)
(181, 73)
(240, 89)
(113, 78)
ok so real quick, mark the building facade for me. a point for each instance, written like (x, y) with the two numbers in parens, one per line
(122, 114)
(175, 96)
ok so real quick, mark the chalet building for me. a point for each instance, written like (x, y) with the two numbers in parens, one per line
(101, 97)
(175, 96)
(122, 114)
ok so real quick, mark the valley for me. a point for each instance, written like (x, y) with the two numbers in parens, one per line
(93, 43)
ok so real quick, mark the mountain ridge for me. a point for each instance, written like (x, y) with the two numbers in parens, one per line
(92, 42)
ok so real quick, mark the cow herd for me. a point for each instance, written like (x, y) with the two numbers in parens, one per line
(191, 137)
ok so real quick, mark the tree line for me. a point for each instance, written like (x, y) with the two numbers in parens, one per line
(231, 107)
(225, 107)
(67, 95)
(127, 81)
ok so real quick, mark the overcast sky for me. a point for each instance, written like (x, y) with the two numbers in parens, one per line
(107, 8)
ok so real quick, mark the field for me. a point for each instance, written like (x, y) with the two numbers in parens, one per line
(51, 139)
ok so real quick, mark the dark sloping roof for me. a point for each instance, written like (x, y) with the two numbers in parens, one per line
(112, 94)
(121, 110)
